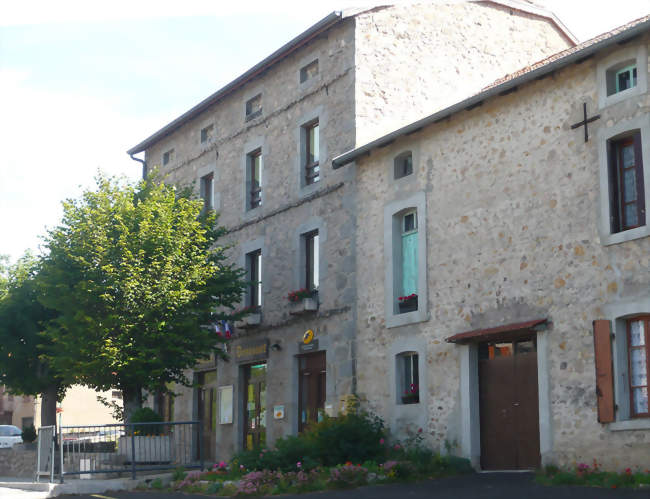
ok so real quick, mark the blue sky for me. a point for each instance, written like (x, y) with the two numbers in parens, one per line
(82, 82)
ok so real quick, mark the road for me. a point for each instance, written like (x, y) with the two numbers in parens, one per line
(478, 486)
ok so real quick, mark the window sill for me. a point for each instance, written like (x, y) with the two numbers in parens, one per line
(630, 424)
(608, 239)
(396, 320)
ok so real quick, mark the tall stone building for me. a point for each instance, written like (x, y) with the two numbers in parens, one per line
(259, 152)
(503, 264)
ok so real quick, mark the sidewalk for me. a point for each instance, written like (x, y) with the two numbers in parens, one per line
(21, 488)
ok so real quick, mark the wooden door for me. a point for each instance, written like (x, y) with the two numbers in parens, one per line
(254, 406)
(312, 378)
(509, 407)
(207, 412)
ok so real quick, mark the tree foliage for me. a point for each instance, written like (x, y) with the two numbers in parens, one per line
(134, 271)
(23, 317)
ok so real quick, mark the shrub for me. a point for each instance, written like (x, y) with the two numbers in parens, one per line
(348, 476)
(179, 474)
(157, 484)
(355, 437)
(147, 415)
(29, 434)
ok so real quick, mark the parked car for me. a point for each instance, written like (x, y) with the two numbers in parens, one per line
(10, 435)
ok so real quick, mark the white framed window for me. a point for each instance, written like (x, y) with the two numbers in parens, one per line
(408, 378)
(207, 134)
(623, 171)
(622, 75)
(254, 179)
(309, 71)
(403, 165)
(311, 141)
(406, 265)
(254, 276)
(207, 191)
(253, 107)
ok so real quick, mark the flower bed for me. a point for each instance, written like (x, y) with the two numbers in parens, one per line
(592, 476)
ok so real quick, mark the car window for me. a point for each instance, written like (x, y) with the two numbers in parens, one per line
(10, 431)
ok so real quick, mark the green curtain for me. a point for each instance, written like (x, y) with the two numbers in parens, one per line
(409, 263)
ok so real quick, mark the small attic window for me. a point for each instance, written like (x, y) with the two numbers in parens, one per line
(168, 157)
(207, 133)
(309, 71)
(621, 77)
(403, 164)
(254, 107)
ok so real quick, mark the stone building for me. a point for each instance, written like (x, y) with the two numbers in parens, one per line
(259, 152)
(503, 264)
(17, 410)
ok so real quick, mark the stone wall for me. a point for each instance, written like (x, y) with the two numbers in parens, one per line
(17, 462)
(413, 60)
(512, 221)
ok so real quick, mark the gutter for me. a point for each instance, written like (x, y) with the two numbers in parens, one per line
(502, 89)
(144, 166)
(300, 40)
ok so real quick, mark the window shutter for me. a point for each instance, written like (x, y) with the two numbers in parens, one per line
(604, 371)
(640, 190)
(614, 206)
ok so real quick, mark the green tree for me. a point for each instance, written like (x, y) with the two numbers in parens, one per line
(135, 273)
(4, 275)
(23, 368)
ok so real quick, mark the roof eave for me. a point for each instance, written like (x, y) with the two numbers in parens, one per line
(478, 99)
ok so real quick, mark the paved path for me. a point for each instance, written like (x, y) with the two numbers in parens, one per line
(478, 486)
(6, 493)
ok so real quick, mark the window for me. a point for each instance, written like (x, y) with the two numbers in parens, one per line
(311, 241)
(626, 185)
(638, 341)
(254, 107)
(168, 157)
(408, 381)
(621, 78)
(254, 174)
(309, 71)
(254, 270)
(312, 152)
(207, 191)
(408, 289)
(403, 165)
(206, 134)
(116, 394)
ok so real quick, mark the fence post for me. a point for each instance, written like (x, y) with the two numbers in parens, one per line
(52, 455)
(201, 459)
(132, 451)
(39, 441)
(60, 448)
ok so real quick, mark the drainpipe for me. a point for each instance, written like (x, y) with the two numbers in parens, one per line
(144, 165)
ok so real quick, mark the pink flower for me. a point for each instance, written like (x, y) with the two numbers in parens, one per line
(299, 464)
(420, 430)
(396, 447)
(381, 441)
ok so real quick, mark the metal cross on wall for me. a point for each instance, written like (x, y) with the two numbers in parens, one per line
(585, 121)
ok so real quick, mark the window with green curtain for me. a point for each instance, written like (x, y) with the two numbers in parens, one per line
(409, 254)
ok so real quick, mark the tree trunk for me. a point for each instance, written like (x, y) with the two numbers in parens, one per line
(48, 406)
(132, 401)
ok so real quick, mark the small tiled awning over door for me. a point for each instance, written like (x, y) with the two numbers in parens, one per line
(507, 331)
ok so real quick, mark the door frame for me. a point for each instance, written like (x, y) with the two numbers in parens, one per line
(470, 430)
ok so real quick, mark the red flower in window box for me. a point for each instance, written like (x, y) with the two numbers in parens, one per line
(300, 294)
(408, 303)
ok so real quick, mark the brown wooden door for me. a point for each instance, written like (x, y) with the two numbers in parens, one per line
(255, 406)
(207, 412)
(509, 411)
(312, 378)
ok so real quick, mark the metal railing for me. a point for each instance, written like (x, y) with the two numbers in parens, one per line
(45, 452)
(129, 448)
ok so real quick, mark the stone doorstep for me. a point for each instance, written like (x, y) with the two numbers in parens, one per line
(79, 486)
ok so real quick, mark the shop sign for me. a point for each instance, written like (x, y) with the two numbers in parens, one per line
(251, 350)
(308, 347)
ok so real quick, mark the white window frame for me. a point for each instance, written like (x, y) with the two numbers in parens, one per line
(393, 219)
(641, 123)
(618, 315)
(634, 55)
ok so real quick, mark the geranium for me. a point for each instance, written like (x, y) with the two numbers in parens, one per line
(299, 294)
(412, 390)
(412, 296)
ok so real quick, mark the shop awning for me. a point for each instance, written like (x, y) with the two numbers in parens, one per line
(494, 333)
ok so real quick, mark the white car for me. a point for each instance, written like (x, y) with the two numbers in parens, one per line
(10, 435)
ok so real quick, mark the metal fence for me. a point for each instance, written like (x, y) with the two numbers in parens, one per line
(45, 453)
(129, 448)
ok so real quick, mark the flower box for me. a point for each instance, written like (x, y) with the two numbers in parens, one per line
(407, 303)
(304, 305)
(250, 321)
(411, 398)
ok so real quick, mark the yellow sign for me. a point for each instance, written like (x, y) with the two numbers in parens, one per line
(308, 337)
